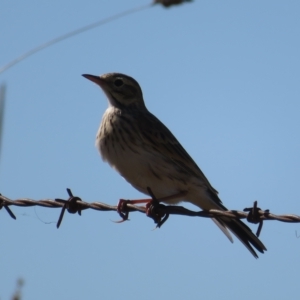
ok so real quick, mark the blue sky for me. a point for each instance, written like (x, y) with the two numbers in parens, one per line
(222, 75)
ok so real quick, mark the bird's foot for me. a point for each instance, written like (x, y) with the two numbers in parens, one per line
(123, 210)
(153, 211)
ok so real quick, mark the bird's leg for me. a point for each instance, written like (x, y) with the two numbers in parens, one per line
(155, 202)
(150, 205)
(178, 196)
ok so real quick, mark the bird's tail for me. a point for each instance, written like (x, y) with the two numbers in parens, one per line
(236, 226)
(242, 232)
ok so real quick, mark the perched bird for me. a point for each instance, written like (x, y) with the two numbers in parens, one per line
(145, 152)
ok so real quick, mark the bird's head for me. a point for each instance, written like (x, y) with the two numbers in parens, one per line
(121, 90)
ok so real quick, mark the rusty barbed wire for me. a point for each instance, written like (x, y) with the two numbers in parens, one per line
(158, 212)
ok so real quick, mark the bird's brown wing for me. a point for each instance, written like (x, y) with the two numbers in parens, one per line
(160, 138)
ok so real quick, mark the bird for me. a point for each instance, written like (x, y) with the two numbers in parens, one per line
(144, 151)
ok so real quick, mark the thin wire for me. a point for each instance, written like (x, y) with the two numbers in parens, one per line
(73, 33)
(2, 102)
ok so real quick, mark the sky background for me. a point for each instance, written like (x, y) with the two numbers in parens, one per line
(222, 75)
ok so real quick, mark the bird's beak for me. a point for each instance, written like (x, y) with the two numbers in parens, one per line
(97, 79)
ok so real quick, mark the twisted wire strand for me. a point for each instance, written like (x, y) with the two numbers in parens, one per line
(158, 212)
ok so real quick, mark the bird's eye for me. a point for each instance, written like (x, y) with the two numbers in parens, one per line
(118, 82)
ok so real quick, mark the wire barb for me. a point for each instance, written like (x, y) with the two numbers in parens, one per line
(71, 205)
(254, 216)
(2, 204)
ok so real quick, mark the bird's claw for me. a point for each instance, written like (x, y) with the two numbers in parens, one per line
(123, 210)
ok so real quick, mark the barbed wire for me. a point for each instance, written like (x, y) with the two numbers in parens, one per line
(165, 3)
(155, 210)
